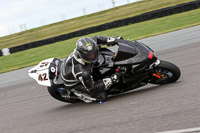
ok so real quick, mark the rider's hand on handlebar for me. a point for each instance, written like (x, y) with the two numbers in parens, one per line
(115, 78)
(111, 41)
(119, 37)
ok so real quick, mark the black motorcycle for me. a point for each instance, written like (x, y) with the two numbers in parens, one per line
(135, 61)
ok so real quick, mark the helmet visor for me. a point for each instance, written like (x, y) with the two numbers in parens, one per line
(90, 57)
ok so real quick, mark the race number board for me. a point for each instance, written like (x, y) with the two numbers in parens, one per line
(41, 72)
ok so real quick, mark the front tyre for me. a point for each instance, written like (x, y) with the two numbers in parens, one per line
(165, 73)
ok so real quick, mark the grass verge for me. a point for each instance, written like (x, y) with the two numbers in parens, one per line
(134, 31)
(86, 21)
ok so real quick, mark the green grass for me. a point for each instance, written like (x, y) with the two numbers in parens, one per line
(86, 21)
(134, 31)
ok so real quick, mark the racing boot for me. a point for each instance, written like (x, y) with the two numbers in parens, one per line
(100, 95)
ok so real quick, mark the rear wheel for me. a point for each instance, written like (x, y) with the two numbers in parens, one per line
(53, 91)
(165, 73)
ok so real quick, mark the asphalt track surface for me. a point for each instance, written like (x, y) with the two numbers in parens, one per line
(26, 107)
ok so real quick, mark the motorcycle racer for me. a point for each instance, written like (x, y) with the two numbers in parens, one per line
(76, 69)
(91, 73)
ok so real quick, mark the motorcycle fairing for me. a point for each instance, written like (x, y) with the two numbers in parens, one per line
(140, 53)
(41, 72)
(125, 52)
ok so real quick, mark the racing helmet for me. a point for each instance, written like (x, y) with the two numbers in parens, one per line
(87, 49)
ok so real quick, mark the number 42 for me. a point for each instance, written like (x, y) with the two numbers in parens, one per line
(42, 77)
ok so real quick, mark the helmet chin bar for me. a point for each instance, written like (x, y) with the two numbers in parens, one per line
(86, 61)
(78, 57)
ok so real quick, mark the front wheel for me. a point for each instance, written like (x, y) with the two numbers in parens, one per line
(165, 73)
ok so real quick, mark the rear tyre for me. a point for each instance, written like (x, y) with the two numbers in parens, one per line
(53, 91)
(165, 73)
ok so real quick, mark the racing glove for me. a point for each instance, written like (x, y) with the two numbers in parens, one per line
(119, 37)
(111, 41)
(115, 78)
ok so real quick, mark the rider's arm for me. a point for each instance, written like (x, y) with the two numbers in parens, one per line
(106, 40)
(86, 79)
(94, 87)
(100, 39)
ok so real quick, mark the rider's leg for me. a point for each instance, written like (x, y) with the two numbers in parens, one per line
(96, 92)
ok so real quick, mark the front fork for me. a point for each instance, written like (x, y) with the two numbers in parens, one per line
(154, 64)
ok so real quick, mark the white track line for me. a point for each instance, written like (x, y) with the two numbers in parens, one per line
(183, 130)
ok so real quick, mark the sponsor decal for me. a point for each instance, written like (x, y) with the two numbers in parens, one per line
(53, 70)
(89, 47)
(80, 43)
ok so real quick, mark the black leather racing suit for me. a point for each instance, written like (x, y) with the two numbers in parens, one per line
(76, 74)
